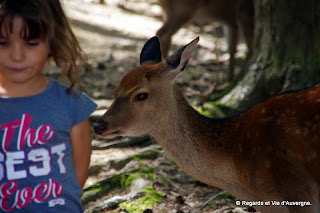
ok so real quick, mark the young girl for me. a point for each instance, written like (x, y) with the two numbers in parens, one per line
(44, 129)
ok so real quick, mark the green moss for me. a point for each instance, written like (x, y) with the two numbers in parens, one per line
(214, 109)
(127, 180)
(226, 195)
(151, 198)
(147, 155)
(221, 199)
(131, 207)
(137, 159)
(190, 71)
(152, 176)
(145, 172)
(101, 188)
(122, 181)
(148, 172)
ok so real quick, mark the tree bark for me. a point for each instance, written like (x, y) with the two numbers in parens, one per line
(286, 51)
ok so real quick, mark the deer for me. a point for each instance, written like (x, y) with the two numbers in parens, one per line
(236, 15)
(271, 152)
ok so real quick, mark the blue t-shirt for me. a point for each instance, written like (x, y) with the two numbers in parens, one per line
(36, 168)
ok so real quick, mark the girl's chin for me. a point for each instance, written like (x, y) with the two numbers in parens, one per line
(21, 77)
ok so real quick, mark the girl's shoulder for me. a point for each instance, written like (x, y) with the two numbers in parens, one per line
(79, 104)
(57, 88)
(76, 96)
(60, 88)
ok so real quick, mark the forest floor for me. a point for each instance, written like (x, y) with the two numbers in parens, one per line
(135, 175)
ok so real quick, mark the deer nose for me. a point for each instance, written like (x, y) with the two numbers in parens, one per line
(100, 126)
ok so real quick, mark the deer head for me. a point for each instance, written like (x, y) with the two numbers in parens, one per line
(145, 96)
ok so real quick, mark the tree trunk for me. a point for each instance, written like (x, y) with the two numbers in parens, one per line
(286, 51)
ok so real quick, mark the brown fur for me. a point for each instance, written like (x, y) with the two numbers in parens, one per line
(269, 153)
(236, 14)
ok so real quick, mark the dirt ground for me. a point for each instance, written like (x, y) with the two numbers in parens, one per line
(112, 36)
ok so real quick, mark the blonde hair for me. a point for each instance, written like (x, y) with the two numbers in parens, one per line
(46, 19)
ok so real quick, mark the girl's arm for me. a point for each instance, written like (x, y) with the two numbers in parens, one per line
(81, 150)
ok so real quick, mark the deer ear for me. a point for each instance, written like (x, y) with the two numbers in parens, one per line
(151, 51)
(179, 60)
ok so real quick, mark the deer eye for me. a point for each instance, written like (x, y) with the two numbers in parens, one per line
(141, 97)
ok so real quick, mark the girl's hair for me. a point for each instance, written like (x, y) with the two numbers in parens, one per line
(45, 19)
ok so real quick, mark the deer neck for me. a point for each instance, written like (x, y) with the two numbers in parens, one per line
(196, 143)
